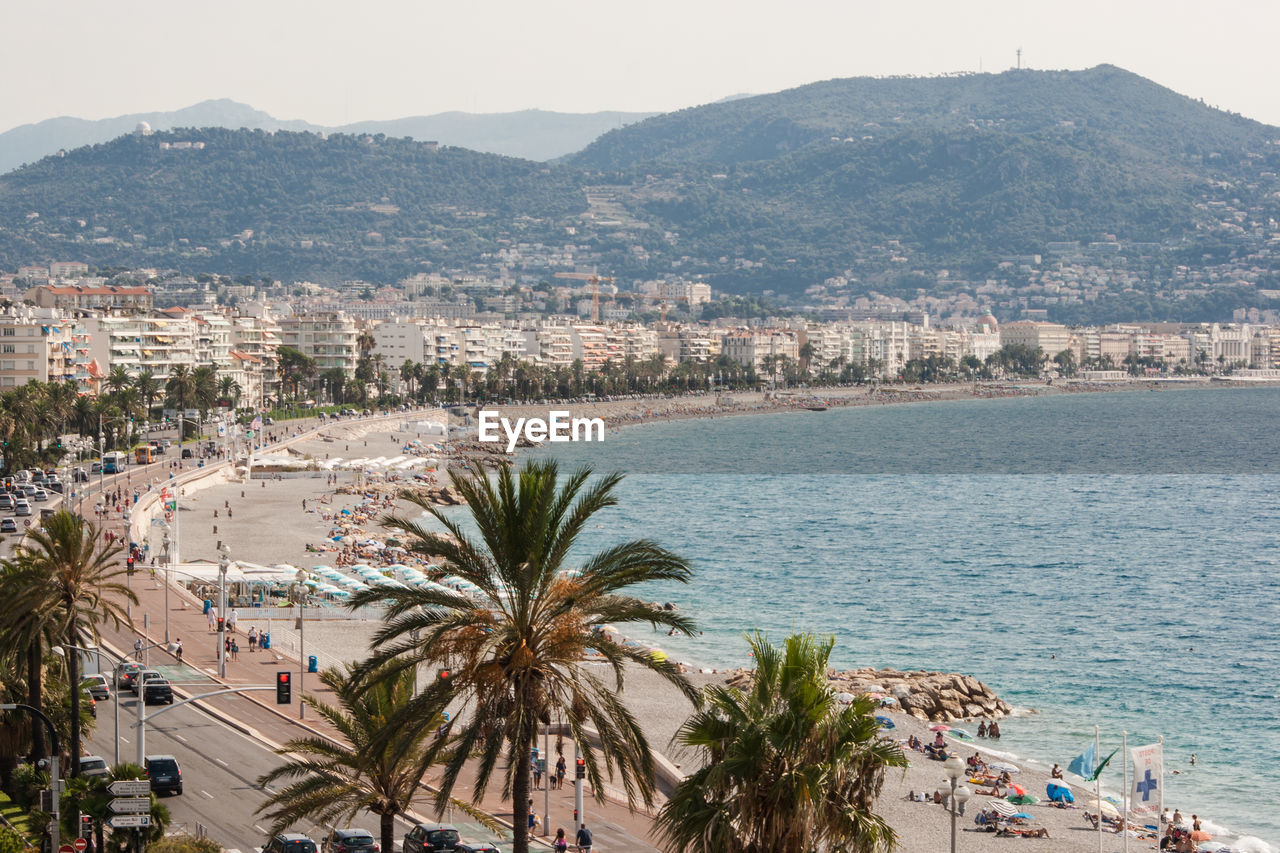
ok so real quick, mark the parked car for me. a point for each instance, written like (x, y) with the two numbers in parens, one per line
(8, 525)
(165, 775)
(97, 686)
(126, 674)
(290, 842)
(431, 838)
(157, 691)
(95, 468)
(22, 507)
(349, 841)
(94, 765)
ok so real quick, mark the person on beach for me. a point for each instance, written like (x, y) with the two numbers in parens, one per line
(1056, 772)
(982, 729)
(994, 730)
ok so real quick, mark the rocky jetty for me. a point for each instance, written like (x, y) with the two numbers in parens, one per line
(938, 697)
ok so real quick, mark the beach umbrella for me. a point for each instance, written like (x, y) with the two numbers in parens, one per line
(1106, 808)
(1058, 792)
(940, 728)
(1002, 807)
(1200, 835)
(1018, 790)
(845, 698)
(1023, 815)
(1024, 800)
(962, 734)
(1003, 767)
(885, 722)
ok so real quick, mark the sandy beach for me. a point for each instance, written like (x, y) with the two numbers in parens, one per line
(268, 525)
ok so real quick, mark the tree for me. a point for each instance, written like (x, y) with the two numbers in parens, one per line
(71, 573)
(229, 391)
(148, 389)
(179, 393)
(28, 633)
(379, 769)
(515, 656)
(204, 388)
(785, 767)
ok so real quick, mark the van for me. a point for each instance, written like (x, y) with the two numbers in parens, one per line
(164, 773)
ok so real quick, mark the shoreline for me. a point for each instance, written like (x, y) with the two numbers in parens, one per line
(274, 501)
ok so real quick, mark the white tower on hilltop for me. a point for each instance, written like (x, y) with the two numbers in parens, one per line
(143, 129)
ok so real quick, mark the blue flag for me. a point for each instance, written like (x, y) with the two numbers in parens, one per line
(1083, 764)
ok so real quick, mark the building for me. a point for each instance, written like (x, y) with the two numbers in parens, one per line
(750, 349)
(1049, 338)
(329, 339)
(106, 298)
(140, 343)
(42, 347)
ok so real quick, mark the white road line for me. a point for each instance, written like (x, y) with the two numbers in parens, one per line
(207, 794)
(181, 738)
(259, 828)
(223, 763)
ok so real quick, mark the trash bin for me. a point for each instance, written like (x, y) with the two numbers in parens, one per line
(311, 664)
(264, 640)
(207, 604)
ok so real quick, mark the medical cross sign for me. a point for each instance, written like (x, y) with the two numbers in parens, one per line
(1147, 786)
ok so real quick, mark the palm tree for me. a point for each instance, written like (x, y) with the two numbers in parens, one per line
(70, 573)
(28, 633)
(229, 390)
(118, 379)
(516, 655)
(377, 770)
(785, 767)
(148, 389)
(179, 394)
(204, 388)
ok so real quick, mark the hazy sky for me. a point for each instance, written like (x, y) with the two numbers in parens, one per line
(335, 62)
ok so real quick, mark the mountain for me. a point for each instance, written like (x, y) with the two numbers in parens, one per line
(898, 186)
(532, 134)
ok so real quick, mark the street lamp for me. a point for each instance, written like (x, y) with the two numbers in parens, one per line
(301, 578)
(959, 793)
(224, 554)
(168, 565)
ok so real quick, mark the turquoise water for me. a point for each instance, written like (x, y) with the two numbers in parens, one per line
(1103, 559)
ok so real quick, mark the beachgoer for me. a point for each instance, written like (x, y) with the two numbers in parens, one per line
(1056, 772)
(560, 768)
(939, 742)
(1193, 759)
(994, 730)
(1195, 823)
(982, 729)
(560, 845)
(1177, 817)
(584, 839)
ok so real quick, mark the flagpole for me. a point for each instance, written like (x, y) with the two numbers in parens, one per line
(1097, 787)
(1124, 775)
(1160, 790)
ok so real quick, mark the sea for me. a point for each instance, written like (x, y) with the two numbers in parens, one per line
(1098, 559)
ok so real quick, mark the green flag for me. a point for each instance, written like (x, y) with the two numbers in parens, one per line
(1098, 772)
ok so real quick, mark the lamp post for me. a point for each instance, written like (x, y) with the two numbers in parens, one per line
(223, 554)
(115, 694)
(301, 578)
(168, 565)
(54, 783)
(959, 793)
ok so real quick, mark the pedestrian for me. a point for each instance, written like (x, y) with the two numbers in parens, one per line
(560, 845)
(137, 648)
(584, 839)
(177, 649)
(253, 639)
(228, 513)
(537, 775)
(560, 768)
(533, 819)
(226, 647)
(235, 650)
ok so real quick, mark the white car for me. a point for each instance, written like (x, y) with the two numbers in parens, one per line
(94, 765)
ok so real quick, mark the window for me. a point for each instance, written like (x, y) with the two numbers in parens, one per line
(10, 332)
(6, 348)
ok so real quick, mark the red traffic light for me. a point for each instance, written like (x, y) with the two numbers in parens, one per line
(444, 674)
(284, 688)
(580, 768)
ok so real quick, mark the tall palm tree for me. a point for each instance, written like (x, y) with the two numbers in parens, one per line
(229, 390)
(515, 656)
(71, 574)
(204, 388)
(28, 633)
(118, 379)
(785, 767)
(148, 389)
(377, 770)
(179, 393)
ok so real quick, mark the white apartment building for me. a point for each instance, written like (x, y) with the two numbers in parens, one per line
(750, 349)
(259, 338)
(1050, 338)
(142, 342)
(329, 339)
(41, 346)
(549, 345)
(594, 345)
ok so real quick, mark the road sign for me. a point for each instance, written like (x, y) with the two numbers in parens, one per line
(124, 821)
(80, 844)
(131, 805)
(65, 848)
(130, 788)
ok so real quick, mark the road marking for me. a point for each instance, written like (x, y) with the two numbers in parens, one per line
(207, 794)
(223, 763)
(181, 738)
(259, 828)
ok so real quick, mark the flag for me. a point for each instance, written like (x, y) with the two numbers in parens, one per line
(257, 423)
(1098, 771)
(1148, 776)
(1083, 764)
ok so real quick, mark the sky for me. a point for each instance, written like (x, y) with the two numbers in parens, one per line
(333, 63)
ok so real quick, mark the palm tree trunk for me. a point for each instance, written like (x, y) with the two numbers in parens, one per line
(387, 825)
(520, 792)
(73, 678)
(35, 698)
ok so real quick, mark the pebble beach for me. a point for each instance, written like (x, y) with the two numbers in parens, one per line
(269, 526)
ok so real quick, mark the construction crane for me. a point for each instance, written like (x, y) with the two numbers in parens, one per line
(595, 288)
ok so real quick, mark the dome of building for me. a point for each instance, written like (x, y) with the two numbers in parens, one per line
(143, 129)
(989, 321)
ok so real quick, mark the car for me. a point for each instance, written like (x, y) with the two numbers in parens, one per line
(22, 507)
(6, 501)
(95, 468)
(8, 525)
(37, 477)
(290, 842)
(28, 489)
(349, 841)
(186, 453)
(55, 486)
(79, 475)
(97, 686)
(41, 495)
(269, 421)
(476, 847)
(157, 691)
(94, 765)
(126, 674)
(431, 838)
(143, 677)
(164, 773)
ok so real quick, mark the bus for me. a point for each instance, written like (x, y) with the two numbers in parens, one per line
(114, 462)
(144, 455)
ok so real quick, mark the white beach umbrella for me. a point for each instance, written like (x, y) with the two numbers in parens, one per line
(1003, 767)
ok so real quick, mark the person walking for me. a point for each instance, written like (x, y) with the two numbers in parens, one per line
(560, 768)
(232, 618)
(177, 649)
(584, 839)
(253, 639)
(560, 845)
(213, 619)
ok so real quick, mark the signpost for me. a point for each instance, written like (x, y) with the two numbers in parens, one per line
(122, 821)
(66, 848)
(130, 788)
(131, 805)
(80, 845)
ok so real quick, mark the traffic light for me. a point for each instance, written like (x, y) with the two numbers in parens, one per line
(444, 674)
(86, 826)
(129, 566)
(580, 769)
(284, 688)
(219, 624)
